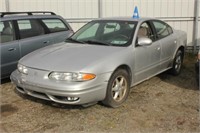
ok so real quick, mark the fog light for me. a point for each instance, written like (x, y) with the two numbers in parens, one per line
(72, 98)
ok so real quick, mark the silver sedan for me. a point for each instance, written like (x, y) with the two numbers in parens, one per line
(101, 61)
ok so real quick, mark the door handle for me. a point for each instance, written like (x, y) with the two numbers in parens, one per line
(46, 42)
(11, 49)
(158, 48)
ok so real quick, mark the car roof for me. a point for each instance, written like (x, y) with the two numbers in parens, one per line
(127, 19)
(27, 15)
(17, 17)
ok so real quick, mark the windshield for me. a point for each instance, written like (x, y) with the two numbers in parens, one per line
(115, 33)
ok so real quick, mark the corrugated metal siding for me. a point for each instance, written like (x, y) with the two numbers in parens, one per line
(89, 9)
(154, 8)
(65, 8)
(2, 6)
(198, 41)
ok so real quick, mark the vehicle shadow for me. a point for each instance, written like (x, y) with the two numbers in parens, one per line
(187, 78)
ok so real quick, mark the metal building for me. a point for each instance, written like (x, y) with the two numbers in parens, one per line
(180, 14)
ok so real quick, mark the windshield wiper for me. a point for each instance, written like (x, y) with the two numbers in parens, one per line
(74, 40)
(97, 42)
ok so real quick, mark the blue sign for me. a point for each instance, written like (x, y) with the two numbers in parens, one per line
(136, 14)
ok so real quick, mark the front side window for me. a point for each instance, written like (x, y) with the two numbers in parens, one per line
(116, 33)
(55, 25)
(161, 29)
(145, 31)
(7, 32)
(30, 28)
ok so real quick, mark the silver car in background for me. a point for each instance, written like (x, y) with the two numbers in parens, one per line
(101, 61)
(24, 32)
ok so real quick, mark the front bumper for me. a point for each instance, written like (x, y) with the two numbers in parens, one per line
(77, 93)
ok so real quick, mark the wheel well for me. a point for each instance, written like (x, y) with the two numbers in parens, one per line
(182, 50)
(127, 68)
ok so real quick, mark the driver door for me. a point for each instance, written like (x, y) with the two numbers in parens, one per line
(147, 58)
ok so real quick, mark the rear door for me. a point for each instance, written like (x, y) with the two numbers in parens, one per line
(164, 34)
(10, 52)
(32, 35)
(59, 31)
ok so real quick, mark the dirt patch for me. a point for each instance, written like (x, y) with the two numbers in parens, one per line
(164, 103)
(7, 109)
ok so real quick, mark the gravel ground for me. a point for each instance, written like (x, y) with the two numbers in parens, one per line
(162, 104)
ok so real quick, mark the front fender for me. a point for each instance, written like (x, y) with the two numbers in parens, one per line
(111, 63)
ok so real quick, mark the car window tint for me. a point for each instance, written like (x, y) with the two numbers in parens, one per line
(161, 29)
(111, 27)
(55, 25)
(6, 32)
(90, 32)
(30, 28)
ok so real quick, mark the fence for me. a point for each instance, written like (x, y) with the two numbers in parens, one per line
(180, 14)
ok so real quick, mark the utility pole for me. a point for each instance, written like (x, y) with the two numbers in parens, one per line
(100, 8)
(196, 25)
(7, 5)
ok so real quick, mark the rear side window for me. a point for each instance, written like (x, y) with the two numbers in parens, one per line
(170, 30)
(24, 24)
(162, 29)
(30, 28)
(55, 25)
(7, 33)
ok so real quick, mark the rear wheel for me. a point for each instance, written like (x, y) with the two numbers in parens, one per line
(177, 64)
(118, 89)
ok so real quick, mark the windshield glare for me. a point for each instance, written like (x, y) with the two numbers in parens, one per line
(117, 33)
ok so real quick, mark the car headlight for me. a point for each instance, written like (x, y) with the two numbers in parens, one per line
(23, 69)
(71, 76)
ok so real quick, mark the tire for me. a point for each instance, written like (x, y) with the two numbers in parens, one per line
(177, 63)
(118, 88)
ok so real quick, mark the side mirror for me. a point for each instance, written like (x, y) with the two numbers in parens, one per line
(144, 41)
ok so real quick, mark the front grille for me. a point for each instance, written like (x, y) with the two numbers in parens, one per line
(40, 94)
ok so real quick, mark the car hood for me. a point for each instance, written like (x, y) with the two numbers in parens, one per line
(70, 57)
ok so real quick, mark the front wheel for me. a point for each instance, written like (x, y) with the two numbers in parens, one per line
(118, 89)
(177, 63)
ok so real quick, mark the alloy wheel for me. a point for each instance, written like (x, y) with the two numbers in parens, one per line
(119, 88)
